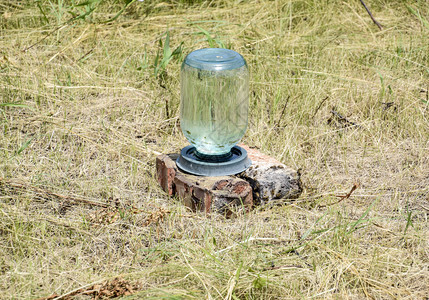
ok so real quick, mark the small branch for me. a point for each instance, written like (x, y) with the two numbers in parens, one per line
(343, 197)
(246, 241)
(370, 14)
(283, 267)
(167, 110)
(319, 106)
(282, 113)
(86, 54)
(48, 194)
(345, 122)
(354, 187)
(45, 37)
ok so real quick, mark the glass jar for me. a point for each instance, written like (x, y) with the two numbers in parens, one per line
(214, 100)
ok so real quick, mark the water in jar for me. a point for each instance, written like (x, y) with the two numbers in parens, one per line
(214, 108)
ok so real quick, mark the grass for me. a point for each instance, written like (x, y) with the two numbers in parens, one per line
(86, 106)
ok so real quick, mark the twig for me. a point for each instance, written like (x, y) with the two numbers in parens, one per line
(343, 119)
(370, 14)
(43, 192)
(65, 24)
(52, 297)
(167, 110)
(388, 105)
(344, 197)
(77, 291)
(319, 106)
(379, 226)
(46, 36)
(86, 54)
(354, 187)
(246, 241)
(282, 267)
(283, 111)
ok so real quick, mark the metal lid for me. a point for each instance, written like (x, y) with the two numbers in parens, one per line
(236, 163)
(214, 59)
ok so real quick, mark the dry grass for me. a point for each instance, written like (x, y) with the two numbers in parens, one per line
(79, 205)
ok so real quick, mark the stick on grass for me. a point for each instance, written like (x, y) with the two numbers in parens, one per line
(370, 14)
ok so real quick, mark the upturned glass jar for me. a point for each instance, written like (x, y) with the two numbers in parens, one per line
(214, 100)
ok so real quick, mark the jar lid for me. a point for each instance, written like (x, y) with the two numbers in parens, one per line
(236, 163)
(214, 59)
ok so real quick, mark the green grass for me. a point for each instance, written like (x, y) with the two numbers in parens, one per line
(86, 105)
